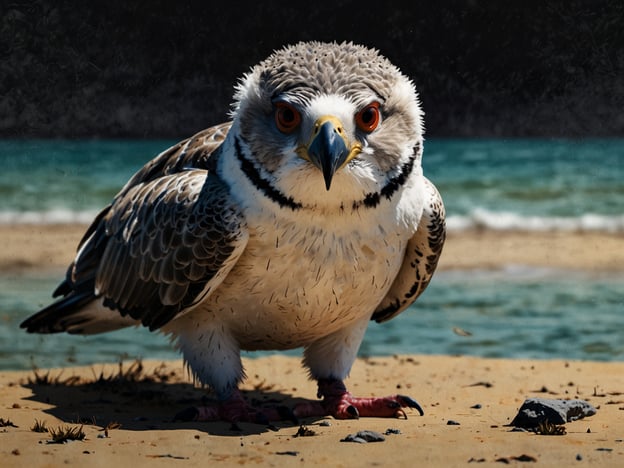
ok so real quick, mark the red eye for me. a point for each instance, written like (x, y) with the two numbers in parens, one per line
(287, 118)
(368, 118)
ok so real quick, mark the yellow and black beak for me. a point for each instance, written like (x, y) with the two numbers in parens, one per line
(329, 148)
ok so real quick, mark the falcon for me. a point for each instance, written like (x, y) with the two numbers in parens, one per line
(292, 226)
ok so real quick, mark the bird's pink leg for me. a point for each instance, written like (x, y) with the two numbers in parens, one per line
(340, 404)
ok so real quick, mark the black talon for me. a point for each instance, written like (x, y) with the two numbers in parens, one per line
(352, 410)
(408, 401)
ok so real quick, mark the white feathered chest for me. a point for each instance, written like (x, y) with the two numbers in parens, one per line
(307, 273)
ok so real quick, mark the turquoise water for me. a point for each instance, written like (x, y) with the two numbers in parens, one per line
(497, 184)
(536, 185)
(527, 313)
(530, 184)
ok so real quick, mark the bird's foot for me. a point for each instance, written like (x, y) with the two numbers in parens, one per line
(340, 404)
(235, 409)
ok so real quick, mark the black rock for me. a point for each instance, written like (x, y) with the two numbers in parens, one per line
(539, 410)
(363, 437)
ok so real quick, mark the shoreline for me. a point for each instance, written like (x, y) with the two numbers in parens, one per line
(29, 248)
(468, 404)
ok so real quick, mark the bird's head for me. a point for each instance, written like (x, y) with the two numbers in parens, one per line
(328, 115)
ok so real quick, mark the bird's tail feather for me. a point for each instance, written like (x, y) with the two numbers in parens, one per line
(77, 313)
(59, 315)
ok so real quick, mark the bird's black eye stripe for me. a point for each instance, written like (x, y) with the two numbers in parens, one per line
(260, 182)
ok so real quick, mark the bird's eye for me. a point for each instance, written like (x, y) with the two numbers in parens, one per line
(287, 118)
(368, 118)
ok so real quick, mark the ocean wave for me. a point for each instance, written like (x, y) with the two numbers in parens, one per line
(57, 216)
(510, 221)
(477, 219)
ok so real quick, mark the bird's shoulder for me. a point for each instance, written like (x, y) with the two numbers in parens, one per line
(195, 152)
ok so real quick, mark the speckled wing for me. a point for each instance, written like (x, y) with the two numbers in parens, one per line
(166, 241)
(421, 259)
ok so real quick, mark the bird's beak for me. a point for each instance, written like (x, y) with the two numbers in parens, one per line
(329, 148)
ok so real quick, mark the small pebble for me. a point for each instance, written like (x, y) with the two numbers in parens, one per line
(450, 422)
(363, 437)
(477, 406)
(390, 431)
(579, 457)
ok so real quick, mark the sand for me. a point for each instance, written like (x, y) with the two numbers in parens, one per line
(53, 246)
(481, 395)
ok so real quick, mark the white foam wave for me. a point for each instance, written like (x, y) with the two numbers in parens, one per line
(509, 221)
(477, 219)
(57, 216)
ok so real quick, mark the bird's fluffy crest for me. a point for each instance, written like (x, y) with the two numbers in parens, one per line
(350, 68)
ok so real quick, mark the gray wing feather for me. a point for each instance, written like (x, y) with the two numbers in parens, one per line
(421, 259)
(166, 241)
(171, 241)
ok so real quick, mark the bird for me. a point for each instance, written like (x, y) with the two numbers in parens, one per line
(295, 224)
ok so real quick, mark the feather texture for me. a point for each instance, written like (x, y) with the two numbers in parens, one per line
(168, 238)
(232, 239)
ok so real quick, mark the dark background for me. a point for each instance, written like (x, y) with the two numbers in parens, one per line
(165, 69)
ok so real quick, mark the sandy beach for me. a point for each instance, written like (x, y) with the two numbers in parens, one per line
(126, 415)
(468, 403)
(53, 246)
